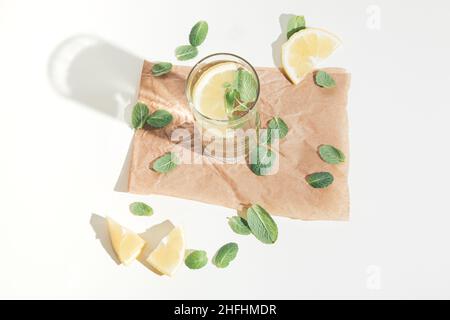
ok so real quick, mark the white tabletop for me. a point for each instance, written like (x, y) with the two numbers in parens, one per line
(69, 69)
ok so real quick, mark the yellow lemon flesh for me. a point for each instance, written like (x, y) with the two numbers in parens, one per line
(169, 254)
(304, 50)
(209, 92)
(127, 244)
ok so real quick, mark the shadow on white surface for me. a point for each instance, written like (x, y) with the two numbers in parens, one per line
(282, 38)
(122, 181)
(97, 74)
(100, 76)
(100, 227)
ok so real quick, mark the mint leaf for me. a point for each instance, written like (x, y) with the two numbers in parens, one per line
(295, 24)
(165, 163)
(161, 68)
(230, 98)
(324, 80)
(186, 52)
(139, 115)
(330, 154)
(247, 86)
(140, 209)
(239, 225)
(198, 33)
(197, 259)
(225, 255)
(277, 128)
(261, 224)
(261, 160)
(160, 118)
(320, 179)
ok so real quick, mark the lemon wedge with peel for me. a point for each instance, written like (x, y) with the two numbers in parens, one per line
(127, 244)
(208, 93)
(169, 254)
(305, 49)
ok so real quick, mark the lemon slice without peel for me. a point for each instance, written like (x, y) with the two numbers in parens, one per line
(306, 49)
(127, 244)
(209, 92)
(169, 253)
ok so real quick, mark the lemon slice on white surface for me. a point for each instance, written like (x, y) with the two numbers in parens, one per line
(127, 244)
(169, 254)
(209, 92)
(306, 49)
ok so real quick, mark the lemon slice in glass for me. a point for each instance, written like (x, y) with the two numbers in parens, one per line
(127, 244)
(306, 49)
(169, 253)
(208, 94)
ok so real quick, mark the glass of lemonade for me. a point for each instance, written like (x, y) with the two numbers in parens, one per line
(223, 90)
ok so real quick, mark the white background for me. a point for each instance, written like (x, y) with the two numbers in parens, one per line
(64, 140)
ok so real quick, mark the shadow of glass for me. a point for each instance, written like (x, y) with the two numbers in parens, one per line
(100, 227)
(282, 38)
(96, 74)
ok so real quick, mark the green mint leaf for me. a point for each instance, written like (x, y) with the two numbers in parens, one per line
(161, 68)
(261, 224)
(261, 160)
(320, 179)
(330, 154)
(324, 80)
(277, 128)
(198, 33)
(141, 209)
(225, 255)
(186, 52)
(139, 115)
(295, 24)
(247, 86)
(230, 98)
(197, 259)
(160, 118)
(165, 163)
(239, 225)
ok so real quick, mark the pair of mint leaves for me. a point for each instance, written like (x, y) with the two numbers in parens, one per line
(330, 155)
(241, 92)
(185, 52)
(196, 37)
(197, 259)
(141, 116)
(258, 222)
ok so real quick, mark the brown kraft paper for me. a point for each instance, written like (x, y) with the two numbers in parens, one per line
(314, 116)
